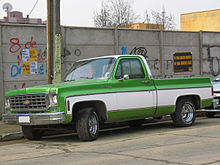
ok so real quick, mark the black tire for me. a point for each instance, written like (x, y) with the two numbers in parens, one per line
(210, 114)
(184, 114)
(136, 123)
(87, 124)
(32, 134)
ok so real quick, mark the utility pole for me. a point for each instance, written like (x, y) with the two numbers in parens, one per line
(53, 41)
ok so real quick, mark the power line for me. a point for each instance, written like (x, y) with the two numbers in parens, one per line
(33, 8)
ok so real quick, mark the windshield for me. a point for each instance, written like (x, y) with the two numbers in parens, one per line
(91, 69)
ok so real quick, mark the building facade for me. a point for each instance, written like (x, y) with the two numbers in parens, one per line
(201, 21)
(143, 26)
(16, 17)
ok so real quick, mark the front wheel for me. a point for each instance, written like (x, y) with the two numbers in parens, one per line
(184, 114)
(87, 124)
(31, 134)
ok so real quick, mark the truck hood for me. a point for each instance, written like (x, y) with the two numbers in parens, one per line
(55, 87)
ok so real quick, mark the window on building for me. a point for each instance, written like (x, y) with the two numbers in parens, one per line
(182, 62)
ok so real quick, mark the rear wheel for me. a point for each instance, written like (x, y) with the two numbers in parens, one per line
(184, 114)
(87, 124)
(31, 134)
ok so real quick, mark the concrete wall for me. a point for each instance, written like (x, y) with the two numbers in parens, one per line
(14, 38)
(158, 47)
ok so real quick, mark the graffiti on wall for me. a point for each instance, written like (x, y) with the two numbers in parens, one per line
(124, 50)
(27, 57)
(24, 85)
(139, 51)
(76, 52)
(214, 61)
(153, 64)
(136, 51)
(66, 52)
(16, 70)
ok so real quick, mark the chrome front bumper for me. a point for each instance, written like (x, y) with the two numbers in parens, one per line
(34, 119)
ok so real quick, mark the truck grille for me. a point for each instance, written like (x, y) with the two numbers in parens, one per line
(28, 102)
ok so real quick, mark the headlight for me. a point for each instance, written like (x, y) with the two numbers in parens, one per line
(7, 103)
(53, 99)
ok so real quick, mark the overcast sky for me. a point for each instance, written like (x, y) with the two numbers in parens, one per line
(80, 12)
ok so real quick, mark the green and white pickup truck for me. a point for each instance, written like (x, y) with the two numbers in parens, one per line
(105, 90)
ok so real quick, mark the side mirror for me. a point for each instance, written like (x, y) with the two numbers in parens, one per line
(125, 77)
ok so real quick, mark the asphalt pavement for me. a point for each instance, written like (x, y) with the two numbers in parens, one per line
(10, 132)
(158, 143)
(14, 132)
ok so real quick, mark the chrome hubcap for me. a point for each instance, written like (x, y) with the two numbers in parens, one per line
(187, 112)
(93, 125)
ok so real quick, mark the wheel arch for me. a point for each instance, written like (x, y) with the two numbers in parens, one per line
(98, 105)
(195, 99)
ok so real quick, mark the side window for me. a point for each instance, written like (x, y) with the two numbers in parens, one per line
(130, 67)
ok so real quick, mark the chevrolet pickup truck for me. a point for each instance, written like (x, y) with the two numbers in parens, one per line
(101, 90)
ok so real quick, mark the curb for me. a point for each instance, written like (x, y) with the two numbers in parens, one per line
(11, 136)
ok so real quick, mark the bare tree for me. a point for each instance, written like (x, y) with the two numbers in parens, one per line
(102, 17)
(147, 19)
(161, 18)
(115, 13)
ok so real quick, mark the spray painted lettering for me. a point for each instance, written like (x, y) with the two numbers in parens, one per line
(30, 44)
(17, 70)
(22, 85)
(15, 45)
(77, 52)
(140, 51)
(136, 50)
(124, 50)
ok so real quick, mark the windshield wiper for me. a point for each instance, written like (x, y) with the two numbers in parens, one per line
(87, 77)
(69, 80)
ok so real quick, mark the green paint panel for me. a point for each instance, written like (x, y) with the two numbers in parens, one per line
(182, 83)
(124, 115)
(166, 110)
(206, 103)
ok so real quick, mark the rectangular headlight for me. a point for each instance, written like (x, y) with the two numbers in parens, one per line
(7, 103)
(53, 99)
